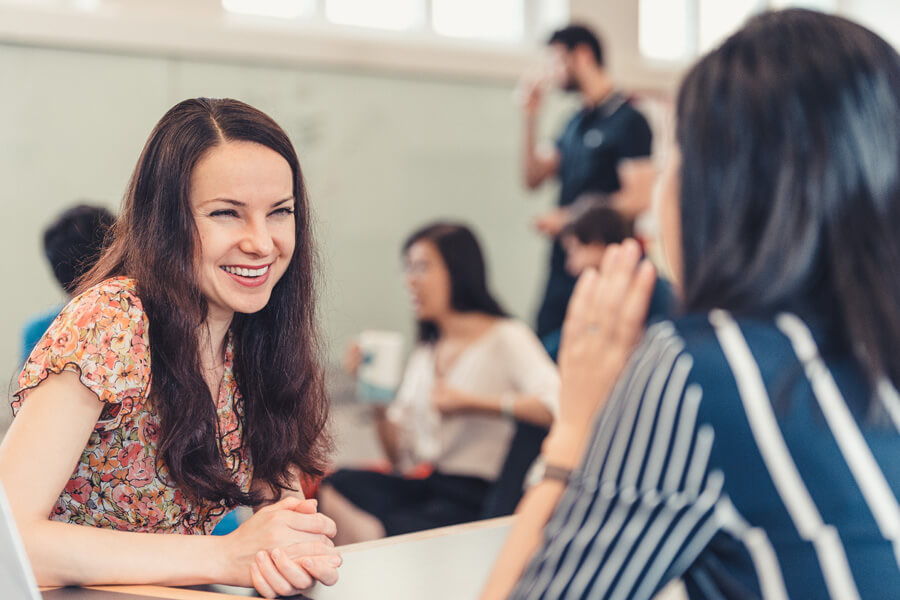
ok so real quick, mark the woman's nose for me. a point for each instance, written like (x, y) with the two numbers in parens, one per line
(257, 239)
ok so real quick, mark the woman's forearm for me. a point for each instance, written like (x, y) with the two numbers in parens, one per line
(524, 538)
(67, 554)
(562, 448)
(524, 407)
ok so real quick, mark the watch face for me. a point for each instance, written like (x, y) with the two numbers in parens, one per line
(557, 473)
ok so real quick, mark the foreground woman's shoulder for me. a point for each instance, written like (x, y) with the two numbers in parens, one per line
(117, 294)
(101, 335)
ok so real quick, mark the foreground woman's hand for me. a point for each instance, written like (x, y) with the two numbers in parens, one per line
(283, 549)
(604, 321)
(603, 324)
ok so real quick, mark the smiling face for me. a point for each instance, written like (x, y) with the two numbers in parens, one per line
(427, 280)
(243, 205)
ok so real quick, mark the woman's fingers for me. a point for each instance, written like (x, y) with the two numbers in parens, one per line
(580, 301)
(275, 578)
(308, 507)
(322, 568)
(297, 551)
(633, 315)
(615, 280)
(298, 577)
(259, 582)
(286, 503)
(315, 523)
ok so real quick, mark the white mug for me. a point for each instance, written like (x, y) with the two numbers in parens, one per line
(381, 365)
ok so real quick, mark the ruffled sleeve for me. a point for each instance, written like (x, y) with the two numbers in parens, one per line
(102, 336)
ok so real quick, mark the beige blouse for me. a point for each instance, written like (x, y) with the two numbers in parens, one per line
(509, 358)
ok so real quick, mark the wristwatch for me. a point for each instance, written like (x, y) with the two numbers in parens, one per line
(541, 471)
(556, 473)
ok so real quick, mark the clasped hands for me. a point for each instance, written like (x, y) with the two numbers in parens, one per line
(283, 549)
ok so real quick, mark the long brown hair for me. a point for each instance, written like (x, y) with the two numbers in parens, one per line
(276, 350)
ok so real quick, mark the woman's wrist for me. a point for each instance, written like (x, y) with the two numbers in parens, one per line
(564, 445)
(223, 560)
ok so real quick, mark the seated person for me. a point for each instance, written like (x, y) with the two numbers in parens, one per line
(749, 447)
(474, 371)
(183, 379)
(594, 225)
(72, 244)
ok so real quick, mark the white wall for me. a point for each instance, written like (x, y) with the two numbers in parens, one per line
(385, 146)
(381, 155)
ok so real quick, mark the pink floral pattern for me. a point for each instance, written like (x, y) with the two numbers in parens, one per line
(119, 483)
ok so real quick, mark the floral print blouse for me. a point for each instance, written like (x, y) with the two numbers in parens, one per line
(102, 335)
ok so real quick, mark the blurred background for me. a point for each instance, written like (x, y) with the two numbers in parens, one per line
(402, 112)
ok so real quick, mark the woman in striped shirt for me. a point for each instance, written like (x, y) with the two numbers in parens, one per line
(749, 448)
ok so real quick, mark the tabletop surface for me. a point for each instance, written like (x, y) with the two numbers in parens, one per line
(449, 562)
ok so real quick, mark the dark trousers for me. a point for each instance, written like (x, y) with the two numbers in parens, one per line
(556, 294)
(407, 505)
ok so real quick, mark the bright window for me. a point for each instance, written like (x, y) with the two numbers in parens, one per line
(551, 14)
(280, 9)
(494, 19)
(820, 5)
(680, 30)
(510, 21)
(383, 14)
(663, 32)
(717, 19)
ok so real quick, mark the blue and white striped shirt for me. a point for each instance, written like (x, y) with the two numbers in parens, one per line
(738, 457)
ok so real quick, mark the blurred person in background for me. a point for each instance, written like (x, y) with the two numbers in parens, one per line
(474, 372)
(72, 244)
(587, 155)
(749, 447)
(594, 226)
(184, 378)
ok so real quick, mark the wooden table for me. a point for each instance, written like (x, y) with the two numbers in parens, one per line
(450, 562)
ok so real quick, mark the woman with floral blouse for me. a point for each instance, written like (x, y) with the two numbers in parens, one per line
(184, 378)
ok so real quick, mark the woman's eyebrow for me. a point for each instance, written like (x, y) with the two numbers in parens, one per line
(238, 203)
(280, 202)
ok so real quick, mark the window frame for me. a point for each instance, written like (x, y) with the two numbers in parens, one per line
(205, 31)
(692, 29)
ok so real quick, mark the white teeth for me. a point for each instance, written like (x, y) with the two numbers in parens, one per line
(247, 272)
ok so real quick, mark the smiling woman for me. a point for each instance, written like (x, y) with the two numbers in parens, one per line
(246, 244)
(207, 291)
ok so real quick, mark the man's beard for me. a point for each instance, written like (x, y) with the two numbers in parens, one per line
(571, 85)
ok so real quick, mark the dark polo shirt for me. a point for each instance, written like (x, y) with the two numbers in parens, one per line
(591, 146)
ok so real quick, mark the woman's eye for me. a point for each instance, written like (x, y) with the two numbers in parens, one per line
(284, 211)
(226, 212)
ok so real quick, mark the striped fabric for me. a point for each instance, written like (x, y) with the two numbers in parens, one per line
(741, 457)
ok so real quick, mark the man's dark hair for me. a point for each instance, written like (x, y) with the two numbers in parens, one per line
(593, 221)
(573, 36)
(73, 242)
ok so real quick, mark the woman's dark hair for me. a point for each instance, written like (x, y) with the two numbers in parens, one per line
(576, 35)
(462, 256)
(790, 179)
(74, 241)
(593, 221)
(276, 350)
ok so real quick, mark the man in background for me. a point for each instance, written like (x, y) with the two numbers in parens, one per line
(72, 244)
(588, 155)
